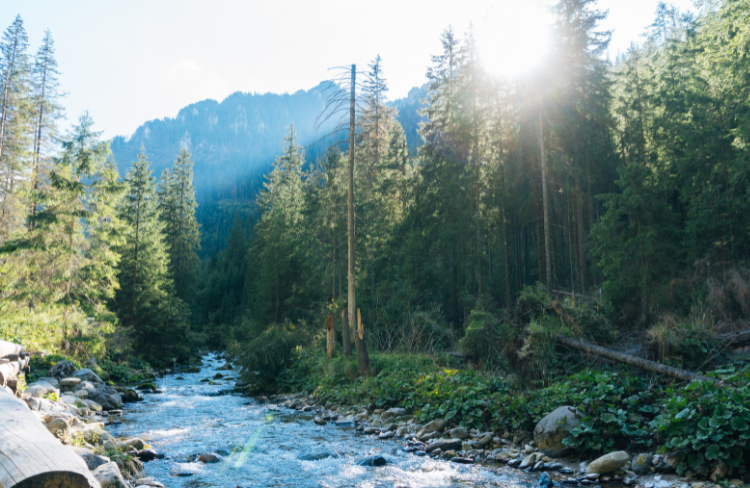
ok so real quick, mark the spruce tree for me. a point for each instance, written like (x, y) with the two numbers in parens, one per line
(47, 111)
(177, 207)
(15, 119)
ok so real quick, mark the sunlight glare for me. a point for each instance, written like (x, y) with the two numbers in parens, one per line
(513, 36)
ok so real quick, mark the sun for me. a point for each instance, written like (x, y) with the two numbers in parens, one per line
(513, 36)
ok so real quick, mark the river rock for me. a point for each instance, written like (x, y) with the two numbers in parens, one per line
(318, 456)
(107, 397)
(529, 461)
(458, 433)
(209, 458)
(147, 455)
(552, 429)
(608, 463)
(136, 443)
(345, 422)
(444, 445)
(129, 396)
(485, 441)
(402, 431)
(373, 461)
(108, 475)
(69, 382)
(82, 394)
(436, 425)
(86, 374)
(392, 413)
(319, 421)
(641, 464)
(63, 369)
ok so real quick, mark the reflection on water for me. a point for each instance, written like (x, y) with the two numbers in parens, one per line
(261, 445)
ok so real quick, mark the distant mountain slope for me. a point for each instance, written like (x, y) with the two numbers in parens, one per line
(234, 144)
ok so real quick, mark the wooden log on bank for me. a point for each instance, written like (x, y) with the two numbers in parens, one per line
(31, 457)
(8, 348)
(680, 374)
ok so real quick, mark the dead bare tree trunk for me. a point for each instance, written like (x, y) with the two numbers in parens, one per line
(363, 361)
(351, 285)
(545, 202)
(632, 360)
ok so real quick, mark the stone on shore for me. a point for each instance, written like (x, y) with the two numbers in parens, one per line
(554, 428)
(92, 460)
(392, 413)
(608, 463)
(63, 369)
(319, 421)
(86, 374)
(436, 425)
(109, 476)
(444, 445)
(641, 464)
(69, 382)
(458, 433)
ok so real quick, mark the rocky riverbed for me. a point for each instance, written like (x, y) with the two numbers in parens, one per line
(191, 429)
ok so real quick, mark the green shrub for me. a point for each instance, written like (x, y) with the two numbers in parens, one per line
(706, 422)
(273, 350)
(488, 341)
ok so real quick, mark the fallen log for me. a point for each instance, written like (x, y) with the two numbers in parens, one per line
(31, 457)
(741, 338)
(680, 374)
(8, 348)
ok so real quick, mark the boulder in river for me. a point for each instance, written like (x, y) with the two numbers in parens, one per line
(109, 476)
(129, 396)
(318, 456)
(554, 428)
(209, 458)
(147, 455)
(608, 463)
(373, 461)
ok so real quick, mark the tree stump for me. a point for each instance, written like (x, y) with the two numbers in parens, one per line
(330, 336)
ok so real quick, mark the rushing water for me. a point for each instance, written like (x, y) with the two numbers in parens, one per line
(261, 444)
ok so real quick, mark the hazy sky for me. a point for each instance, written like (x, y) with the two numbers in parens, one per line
(132, 61)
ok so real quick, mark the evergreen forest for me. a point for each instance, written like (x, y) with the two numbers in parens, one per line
(335, 240)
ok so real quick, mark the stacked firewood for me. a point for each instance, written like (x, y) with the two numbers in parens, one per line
(13, 360)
